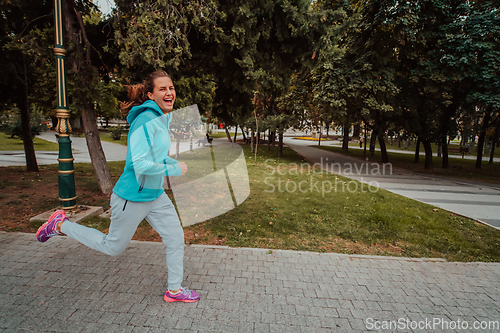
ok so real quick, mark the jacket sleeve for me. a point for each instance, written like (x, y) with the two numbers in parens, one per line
(142, 153)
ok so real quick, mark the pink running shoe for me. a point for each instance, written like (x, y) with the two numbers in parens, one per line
(185, 295)
(49, 228)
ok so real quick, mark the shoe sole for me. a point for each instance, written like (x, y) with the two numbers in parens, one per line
(40, 229)
(180, 300)
(54, 214)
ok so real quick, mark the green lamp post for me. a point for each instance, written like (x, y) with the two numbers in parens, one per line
(67, 196)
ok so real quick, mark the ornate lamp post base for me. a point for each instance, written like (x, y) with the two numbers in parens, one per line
(67, 195)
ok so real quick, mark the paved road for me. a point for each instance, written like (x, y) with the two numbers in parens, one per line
(61, 286)
(476, 200)
(409, 152)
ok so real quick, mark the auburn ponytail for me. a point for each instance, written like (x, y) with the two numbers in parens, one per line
(138, 93)
(136, 96)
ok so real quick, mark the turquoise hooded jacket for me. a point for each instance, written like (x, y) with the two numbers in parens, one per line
(147, 161)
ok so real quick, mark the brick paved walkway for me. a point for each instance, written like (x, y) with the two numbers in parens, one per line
(62, 286)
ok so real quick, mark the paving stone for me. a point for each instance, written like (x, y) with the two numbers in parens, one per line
(263, 328)
(243, 290)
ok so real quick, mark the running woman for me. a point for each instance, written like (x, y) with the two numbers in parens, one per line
(139, 193)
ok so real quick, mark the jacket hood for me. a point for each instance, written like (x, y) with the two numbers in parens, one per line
(137, 110)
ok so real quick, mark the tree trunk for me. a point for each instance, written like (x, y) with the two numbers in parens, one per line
(356, 131)
(319, 137)
(364, 141)
(428, 153)
(444, 130)
(235, 133)
(227, 134)
(269, 140)
(372, 143)
(494, 142)
(252, 140)
(383, 150)
(480, 141)
(417, 151)
(280, 144)
(27, 136)
(243, 133)
(96, 153)
(472, 142)
(345, 140)
(177, 136)
(444, 145)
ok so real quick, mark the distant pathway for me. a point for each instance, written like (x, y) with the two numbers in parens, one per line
(486, 157)
(475, 200)
(112, 151)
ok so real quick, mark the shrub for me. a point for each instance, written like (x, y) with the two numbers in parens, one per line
(116, 132)
(14, 129)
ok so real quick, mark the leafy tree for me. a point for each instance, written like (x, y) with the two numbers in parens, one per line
(260, 45)
(21, 24)
(299, 101)
(406, 78)
(85, 64)
(151, 35)
(475, 53)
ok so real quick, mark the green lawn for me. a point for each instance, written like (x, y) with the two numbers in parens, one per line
(356, 219)
(105, 136)
(222, 134)
(13, 144)
(345, 221)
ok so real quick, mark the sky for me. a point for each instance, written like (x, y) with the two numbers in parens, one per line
(105, 5)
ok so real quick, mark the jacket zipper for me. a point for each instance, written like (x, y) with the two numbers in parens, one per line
(142, 183)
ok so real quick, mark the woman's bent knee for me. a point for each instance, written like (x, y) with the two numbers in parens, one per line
(111, 250)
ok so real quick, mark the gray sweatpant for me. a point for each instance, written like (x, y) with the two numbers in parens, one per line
(125, 218)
